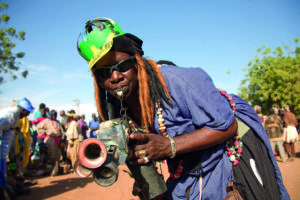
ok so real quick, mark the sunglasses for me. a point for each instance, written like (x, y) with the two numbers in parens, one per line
(123, 66)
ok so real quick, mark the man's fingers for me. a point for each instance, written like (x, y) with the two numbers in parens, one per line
(139, 161)
(140, 137)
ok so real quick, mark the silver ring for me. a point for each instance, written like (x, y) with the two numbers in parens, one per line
(146, 159)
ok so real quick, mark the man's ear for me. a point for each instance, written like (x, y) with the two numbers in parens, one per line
(101, 85)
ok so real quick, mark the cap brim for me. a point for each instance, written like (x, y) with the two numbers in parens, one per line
(99, 53)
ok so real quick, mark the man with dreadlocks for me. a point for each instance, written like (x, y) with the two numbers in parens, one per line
(208, 137)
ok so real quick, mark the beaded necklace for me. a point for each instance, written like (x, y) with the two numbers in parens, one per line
(234, 150)
(162, 130)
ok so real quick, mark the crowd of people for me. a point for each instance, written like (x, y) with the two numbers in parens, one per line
(282, 128)
(43, 146)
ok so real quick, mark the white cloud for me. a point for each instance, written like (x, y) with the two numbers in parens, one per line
(44, 95)
(6, 102)
(39, 68)
(35, 97)
(75, 76)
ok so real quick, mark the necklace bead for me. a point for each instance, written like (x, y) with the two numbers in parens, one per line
(162, 130)
(234, 152)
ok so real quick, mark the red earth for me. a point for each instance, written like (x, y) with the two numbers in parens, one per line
(70, 186)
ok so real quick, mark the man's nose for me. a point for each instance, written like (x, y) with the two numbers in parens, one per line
(116, 76)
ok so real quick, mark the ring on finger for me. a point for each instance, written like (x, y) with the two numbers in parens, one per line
(146, 159)
(141, 153)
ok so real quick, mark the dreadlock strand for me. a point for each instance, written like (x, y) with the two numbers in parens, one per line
(145, 98)
(97, 97)
(153, 81)
(141, 87)
(141, 96)
(145, 95)
(104, 104)
(160, 77)
(158, 93)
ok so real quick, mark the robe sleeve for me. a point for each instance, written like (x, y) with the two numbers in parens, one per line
(196, 98)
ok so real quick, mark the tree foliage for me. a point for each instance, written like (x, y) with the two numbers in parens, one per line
(273, 76)
(9, 66)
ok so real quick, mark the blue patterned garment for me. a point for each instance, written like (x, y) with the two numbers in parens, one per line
(198, 104)
(9, 118)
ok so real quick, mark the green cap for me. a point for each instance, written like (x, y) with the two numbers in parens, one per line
(97, 39)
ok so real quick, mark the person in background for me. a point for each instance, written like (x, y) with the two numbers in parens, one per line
(40, 135)
(48, 111)
(9, 119)
(186, 119)
(64, 120)
(274, 129)
(257, 109)
(94, 125)
(83, 126)
(24, 126)
(16, 150)
(36, 115)
(20, 152)
(73, 134)
(64, 142)
(290, 134)
(53, 134)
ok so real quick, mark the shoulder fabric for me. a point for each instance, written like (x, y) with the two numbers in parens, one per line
(9, 118)
(195, 97)
(41, 127)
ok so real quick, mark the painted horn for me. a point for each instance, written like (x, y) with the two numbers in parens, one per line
(92, 153)
(81, 170)
(106, 174)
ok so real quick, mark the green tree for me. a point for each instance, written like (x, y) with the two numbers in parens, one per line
(9, 66)
(273, 76)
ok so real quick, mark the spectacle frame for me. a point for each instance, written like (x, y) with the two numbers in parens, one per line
(123, 66)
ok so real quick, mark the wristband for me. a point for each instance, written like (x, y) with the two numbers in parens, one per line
(173, 146)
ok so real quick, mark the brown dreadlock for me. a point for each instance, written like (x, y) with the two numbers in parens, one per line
(152, 88)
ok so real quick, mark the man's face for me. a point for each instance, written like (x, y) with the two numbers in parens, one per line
(44, 112)
(62, 113)
(126, 82)
(23, 113)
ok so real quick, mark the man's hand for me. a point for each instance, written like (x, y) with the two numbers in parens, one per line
(154, 147)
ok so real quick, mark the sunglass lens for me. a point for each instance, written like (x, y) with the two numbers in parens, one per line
(103, 72)
(121, 67)
(126, 65)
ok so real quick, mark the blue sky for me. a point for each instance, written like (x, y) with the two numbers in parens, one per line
(215, 35)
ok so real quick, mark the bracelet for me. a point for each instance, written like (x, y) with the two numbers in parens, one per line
(173, 146)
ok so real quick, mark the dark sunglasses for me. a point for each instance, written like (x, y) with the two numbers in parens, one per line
(123, 66)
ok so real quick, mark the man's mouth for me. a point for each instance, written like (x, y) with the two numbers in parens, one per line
(120, 91)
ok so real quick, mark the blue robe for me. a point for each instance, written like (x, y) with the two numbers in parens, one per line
(198, 104)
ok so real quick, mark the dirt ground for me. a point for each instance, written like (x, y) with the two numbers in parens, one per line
(70, 186)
